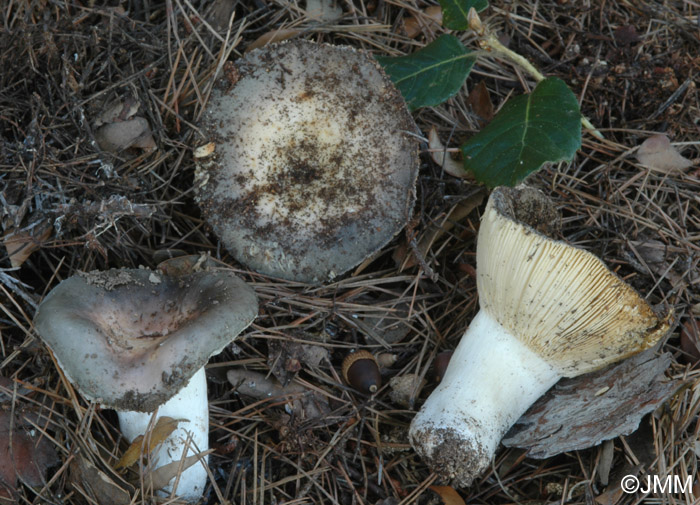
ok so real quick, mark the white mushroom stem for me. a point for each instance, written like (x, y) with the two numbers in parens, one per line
(547, 310)
(490, 382)
(191, 435)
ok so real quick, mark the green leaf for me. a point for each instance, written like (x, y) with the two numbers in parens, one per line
(431, 75)
(454, 12)
(530, 130)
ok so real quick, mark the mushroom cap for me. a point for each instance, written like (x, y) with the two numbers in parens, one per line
(560, 301)
(314, 168)
(132, 338)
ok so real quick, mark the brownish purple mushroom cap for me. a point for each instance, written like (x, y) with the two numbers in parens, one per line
(131, 339)
(314, 167)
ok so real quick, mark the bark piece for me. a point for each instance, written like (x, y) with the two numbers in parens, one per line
(582, 412)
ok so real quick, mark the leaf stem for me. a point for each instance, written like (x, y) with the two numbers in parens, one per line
(490, 42)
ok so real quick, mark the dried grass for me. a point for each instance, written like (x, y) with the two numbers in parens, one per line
(62, 62)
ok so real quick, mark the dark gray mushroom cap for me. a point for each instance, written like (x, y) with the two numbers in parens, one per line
(314, 167)
(131, 339)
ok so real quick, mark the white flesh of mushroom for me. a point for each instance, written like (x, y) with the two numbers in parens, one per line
(191, 406)
(491, 381)
(548, 310)
(137, 341)
(315, 166)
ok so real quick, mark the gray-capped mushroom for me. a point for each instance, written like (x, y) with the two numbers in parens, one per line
(136, 341)
(548, 310)
(314, 167)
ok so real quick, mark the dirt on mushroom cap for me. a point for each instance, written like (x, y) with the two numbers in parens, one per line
(131, 338)
(315, 167)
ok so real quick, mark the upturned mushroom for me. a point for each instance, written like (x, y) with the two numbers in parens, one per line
(315, 164)
(547, 310)
(137, 341)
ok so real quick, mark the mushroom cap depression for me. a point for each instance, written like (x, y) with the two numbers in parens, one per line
(132, 338)
(314, 167)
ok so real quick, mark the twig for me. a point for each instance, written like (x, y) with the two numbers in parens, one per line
(489, 42)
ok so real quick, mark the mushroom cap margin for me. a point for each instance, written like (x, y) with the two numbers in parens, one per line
(132, 338)
(561, 301)
(315, 167)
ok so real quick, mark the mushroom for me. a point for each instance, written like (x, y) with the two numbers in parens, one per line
(548, 310)
(137, 341)
(314, 167)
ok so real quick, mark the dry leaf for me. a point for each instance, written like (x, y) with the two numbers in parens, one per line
(582, 412)
(448, 495)
(626, 35)
(607, 452)
(205, 150)
(413, 25)
(614, 492)
(28, 458)
(442, 157)
(186, 264)
(271, 37)
(72, 81)
(690, 339)
(388, 323)
(304, 403)
(480, 100)
(161, 476)
(22, 243)
(610, 496)
(117, 111)
(323, 10)
(115, 137)
(118, 127)
(657, 153)
(97, 484)
(404, 389)
(654, 253)
(161, 431)
(220, 13)
(651, 251)
(285, 358)
(405, 259)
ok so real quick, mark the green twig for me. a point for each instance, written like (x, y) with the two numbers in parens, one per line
(490, 42)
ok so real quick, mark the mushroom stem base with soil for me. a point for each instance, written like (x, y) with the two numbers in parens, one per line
(490, 382)
(192, 434)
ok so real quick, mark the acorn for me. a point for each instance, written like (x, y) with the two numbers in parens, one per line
(440, 364)
(386, 359)
(361, 371)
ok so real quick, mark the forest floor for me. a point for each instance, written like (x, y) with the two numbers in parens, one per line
(69, 206)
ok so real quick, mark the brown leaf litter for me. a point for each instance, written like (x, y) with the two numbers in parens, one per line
(633, 66)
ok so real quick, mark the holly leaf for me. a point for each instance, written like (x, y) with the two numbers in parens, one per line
(529, 131)
(454, 12)
(431, 75)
